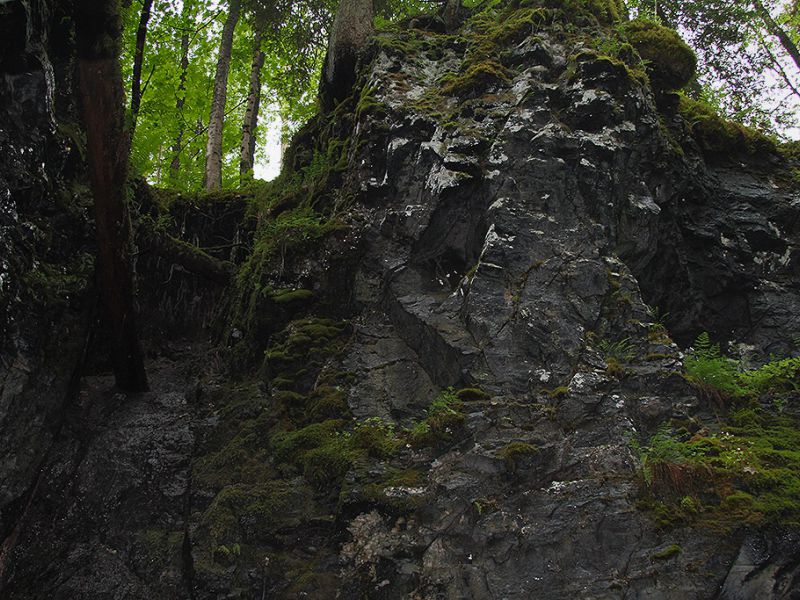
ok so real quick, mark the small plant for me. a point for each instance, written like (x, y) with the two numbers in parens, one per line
(616, 354)
(559, 392)
(720, 379)
(622, 350)
(229, 552)
(714, 375)
(443, 421)
(376, 437)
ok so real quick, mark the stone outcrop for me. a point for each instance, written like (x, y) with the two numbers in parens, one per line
(46, 256)
(504, 228)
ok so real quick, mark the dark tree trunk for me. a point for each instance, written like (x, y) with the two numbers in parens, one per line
(188, 256)
(108, 146)
(250, 123)
(177, 147)
(452, 15)
(138, 61)
(213, 170)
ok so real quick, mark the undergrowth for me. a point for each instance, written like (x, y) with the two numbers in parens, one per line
(745, 469)
(719, 378)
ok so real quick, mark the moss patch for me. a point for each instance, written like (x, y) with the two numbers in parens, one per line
(667, 553)
(514, 452)
(718, 136)
(245, 512)
(748, 472)
(670, 62)
(443, 422)
(477, 77)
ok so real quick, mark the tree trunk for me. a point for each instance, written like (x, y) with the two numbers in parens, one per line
(188, 256)
(776, 30)
(138, 60)
(250, 123)
(452, 15)
(108, 146)
(352, 28)
(213, 170)
(177, 147)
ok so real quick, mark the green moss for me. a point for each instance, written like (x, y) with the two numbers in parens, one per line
(671, 63)
(747, 473)
(56, 286)
(375, 437)
(669, 552)
(515, 451)
(558, 392)
(718, 136)
(443, 423)
(236, 462)
(368, 104)
(284, 296)
(235, 450)
(492, 29)
(302, 345)
(327, 402)
(582, 12)
(477, 77)
(241, 511)
(325, 467)
(293, 446)
(161, 546)
(384, 492)
(472, 395)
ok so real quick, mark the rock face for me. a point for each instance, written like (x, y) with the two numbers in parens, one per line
(45, 250)
(503, 227)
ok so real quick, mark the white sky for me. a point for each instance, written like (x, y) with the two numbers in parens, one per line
(268, 156)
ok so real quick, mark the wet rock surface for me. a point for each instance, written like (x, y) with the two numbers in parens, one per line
(46, 256)
(506, 249)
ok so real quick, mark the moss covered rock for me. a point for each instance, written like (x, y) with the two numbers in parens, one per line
(717, 135)
(671, 63)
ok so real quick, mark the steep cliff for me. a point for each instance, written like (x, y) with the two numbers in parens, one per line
(46, 255)
(448, 359)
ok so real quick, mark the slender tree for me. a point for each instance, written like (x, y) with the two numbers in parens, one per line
(779, 32)
(248, 145)
(180, 101)
(98, 32)
(138, 61)
(213, 170)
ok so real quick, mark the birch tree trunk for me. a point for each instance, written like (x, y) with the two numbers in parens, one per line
(108, 146)
(248, 147)
(213, 170)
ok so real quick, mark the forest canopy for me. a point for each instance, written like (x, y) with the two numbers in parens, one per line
(207, 79)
